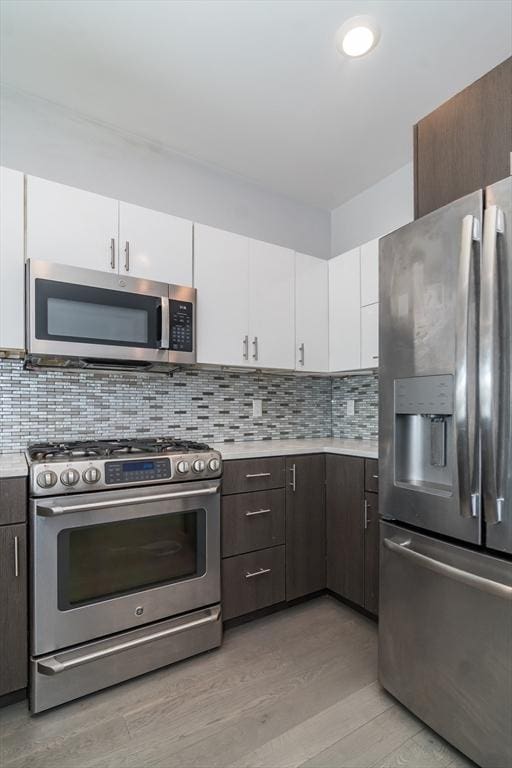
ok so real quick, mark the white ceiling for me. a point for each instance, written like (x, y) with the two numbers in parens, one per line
(256, 87)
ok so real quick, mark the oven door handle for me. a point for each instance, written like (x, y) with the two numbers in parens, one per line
(52, 665)
(51, 510)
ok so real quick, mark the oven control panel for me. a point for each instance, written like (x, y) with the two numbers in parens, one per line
(136, 471)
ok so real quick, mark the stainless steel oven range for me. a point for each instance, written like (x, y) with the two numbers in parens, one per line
(125, 561)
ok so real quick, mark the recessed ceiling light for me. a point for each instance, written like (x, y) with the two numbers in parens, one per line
(357, 36)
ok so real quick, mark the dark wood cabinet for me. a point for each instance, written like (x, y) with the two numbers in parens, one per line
(466, 143)
(252, 581)
(13, 500)
(246, 475)
(371, 553)
(13, 608)
(345, 526)
(252, 521)
(305, 525)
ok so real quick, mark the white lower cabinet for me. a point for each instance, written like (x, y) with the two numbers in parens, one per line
(370, 336)
(271, 305)
(221, 276)
(12, 266)
(311, 314)
(154, 245)
(345, 312)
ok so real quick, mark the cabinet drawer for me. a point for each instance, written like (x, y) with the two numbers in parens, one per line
(252, 521)
(371, 475)
(252, 581)
(244, 475)
(13, 500)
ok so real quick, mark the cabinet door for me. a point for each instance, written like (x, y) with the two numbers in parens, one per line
(221, 276)
(345, 526)
(154, 245)
(271, 305)
(370, 273)
(311, 313)
(370, 336)
(71, 226)
(371, 553)
(305, 525)
(466, 143)
(345, 312)
(12, 266)
(13, 608)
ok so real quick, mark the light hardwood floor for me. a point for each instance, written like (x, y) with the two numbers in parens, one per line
(298, 688)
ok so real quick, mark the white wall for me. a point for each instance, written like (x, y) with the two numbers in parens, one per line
(380, 209)
(45, 140)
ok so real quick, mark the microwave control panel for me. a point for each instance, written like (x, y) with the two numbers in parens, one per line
(182, 331)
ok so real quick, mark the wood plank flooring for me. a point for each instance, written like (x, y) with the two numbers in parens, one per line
(295, 689)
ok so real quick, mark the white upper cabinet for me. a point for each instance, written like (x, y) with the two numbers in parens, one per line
(345, 312)
(221, 276)
(12, 266)
(370, 273)
(271, 305)
(71, 226)
(370, 336)
(154, 245)
(311, 313)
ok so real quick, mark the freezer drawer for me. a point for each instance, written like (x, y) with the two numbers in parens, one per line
(445, 640)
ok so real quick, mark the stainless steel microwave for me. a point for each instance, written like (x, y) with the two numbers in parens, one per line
(93, 316)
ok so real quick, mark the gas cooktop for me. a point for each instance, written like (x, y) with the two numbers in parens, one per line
(81, 449)
(93, 465)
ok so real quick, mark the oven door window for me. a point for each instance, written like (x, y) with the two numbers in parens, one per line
(100, 562)
(87, 315)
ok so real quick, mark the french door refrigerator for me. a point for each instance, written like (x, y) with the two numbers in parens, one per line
(445, 487)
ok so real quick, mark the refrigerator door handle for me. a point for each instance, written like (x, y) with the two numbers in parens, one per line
(467, 454)
(494, 369)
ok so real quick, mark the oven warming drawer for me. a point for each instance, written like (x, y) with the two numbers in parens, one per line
(67, 675)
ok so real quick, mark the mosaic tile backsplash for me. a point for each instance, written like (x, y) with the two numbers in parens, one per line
(213, 406)
(364, 390)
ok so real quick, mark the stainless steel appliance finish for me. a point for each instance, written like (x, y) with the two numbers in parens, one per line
(91, 316)
(128, 538)
(68, 675)
(445, 640)
(445, 620)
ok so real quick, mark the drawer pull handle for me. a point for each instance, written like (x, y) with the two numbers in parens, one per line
(257, 512)
(259, 474)
(261, 572)
(375, 477)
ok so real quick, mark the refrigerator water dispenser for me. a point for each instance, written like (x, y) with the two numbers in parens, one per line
(424, 442)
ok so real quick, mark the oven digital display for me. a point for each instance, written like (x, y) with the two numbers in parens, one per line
(138, 466)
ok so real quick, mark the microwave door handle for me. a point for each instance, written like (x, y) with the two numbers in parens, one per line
(491, 358)
(166, 323)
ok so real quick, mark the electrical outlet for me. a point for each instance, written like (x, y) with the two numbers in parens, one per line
(257, 409)
(351, 407)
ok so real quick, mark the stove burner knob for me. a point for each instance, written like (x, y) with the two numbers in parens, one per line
(182, 467)
(69, 477)
(46, 479)
(198, 465)
(214, 465)
(91, 475)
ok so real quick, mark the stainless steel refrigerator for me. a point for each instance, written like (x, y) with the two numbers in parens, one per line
(445, 488)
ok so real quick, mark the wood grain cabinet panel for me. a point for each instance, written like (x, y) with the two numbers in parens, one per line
(13, 500)
(371, 553)
(305, 525)
(252, 581)
(345, 526)
(465, 144)
(252, 521)
(371, 475)
(13, 608)
(243, 475)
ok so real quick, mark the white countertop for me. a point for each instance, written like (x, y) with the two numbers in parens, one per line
(252, 449)
(13, 465)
